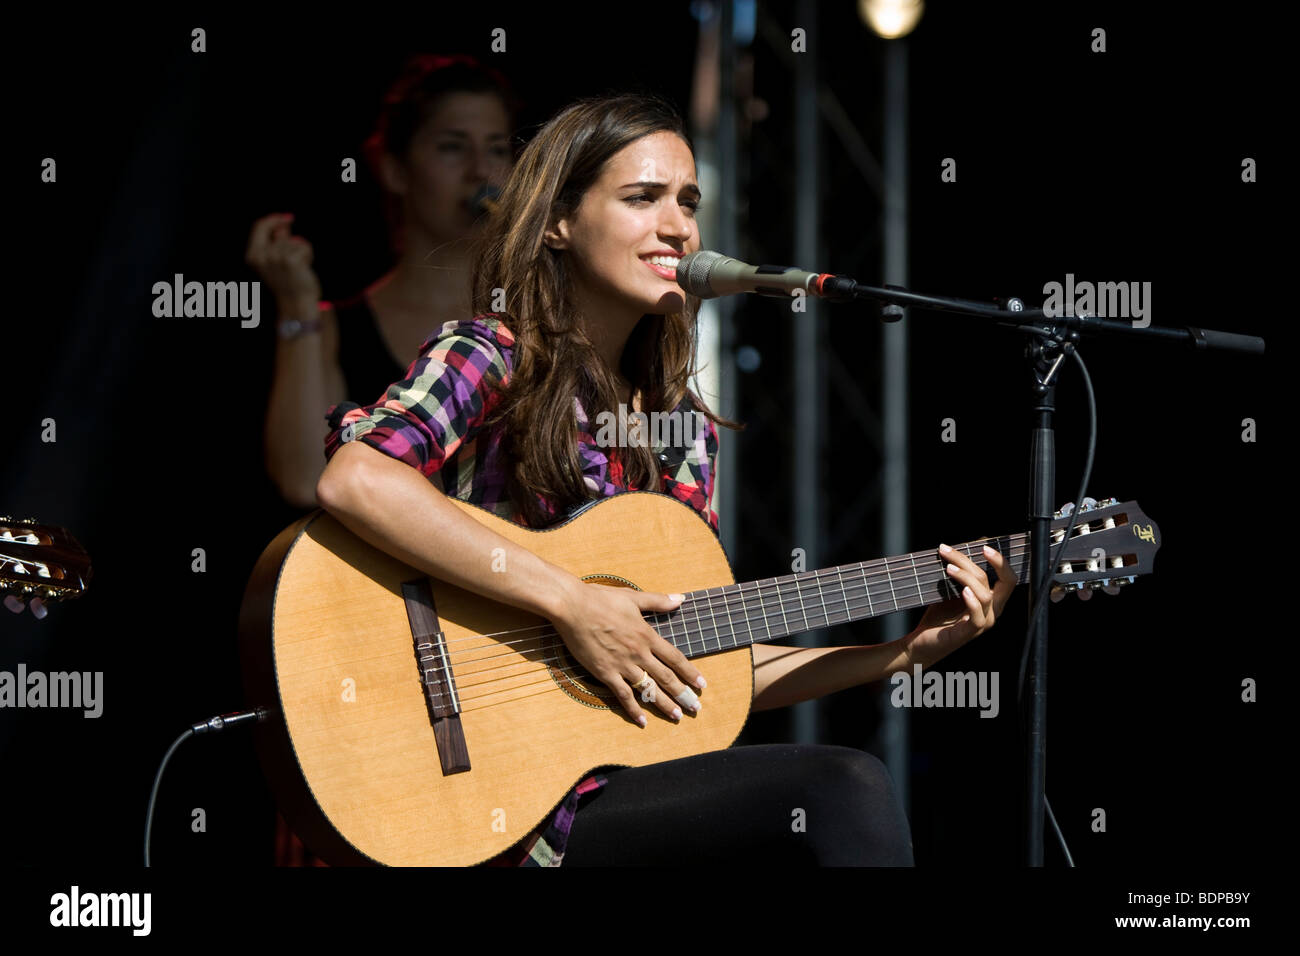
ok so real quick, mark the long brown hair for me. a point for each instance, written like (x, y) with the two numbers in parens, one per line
(553, 359)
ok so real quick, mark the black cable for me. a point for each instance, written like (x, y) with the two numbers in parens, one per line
(1069, 860)
(1046, 583)
(211, 725)
(148, 819)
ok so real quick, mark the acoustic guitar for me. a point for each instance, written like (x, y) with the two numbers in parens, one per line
(417, 723)
(40, 563)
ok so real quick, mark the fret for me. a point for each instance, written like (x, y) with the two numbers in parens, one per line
(889, 576)
(700, 622)
(667, 626)
(749, 621)
(916, 577)
(726, 606)
(867, 587)
(691, 629)
(947, 580)
(840, 579)
(798, 592)
(780, 603)
(763, 610)
(715, 623)
(821, 597)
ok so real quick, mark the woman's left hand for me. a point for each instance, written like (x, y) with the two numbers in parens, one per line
(947, 626)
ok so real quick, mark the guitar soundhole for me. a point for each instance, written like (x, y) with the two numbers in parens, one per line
(574, 679)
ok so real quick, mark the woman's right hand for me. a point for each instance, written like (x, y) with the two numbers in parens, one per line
(605, 629)
(282, 260)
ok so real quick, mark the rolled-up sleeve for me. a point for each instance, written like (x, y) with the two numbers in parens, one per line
(446, 396)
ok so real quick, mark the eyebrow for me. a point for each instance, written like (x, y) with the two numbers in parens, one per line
(689, 187)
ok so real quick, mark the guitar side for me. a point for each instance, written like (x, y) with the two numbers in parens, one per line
(350, 751)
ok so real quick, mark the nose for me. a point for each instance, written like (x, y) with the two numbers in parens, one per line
(482, 165)
(676, 224)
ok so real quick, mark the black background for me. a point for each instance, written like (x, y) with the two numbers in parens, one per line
(1122, 166)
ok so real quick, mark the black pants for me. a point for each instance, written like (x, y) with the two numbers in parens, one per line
(772, 804)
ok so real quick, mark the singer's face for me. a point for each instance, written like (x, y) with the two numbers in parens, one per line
(463, 146)
(642, 208)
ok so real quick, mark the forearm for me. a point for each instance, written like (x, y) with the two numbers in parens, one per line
(788, 675)
(392, 506)
(295, 428)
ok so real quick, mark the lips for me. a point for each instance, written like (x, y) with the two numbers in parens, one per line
(664, 272)
(666, 265)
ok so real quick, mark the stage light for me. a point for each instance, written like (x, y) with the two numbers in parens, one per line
(891, 19)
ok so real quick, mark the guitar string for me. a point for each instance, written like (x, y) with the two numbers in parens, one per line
(699, 607)
(831, 608)
(709, 603)
(847, 604)
(548, 685)
(722, 600)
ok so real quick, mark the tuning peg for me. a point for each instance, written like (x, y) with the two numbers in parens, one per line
(13, 604)
(1057, 594)
(1111, 588)
(1066, 510)
(1084, 594)
(39, 610)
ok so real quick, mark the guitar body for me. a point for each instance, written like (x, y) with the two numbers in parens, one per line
(350, 747)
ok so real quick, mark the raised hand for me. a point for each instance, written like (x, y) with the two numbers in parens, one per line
(283, 260)
(948, 625)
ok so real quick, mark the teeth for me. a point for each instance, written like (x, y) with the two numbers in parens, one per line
(668, 262)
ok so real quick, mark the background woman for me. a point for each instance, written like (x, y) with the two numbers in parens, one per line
(443, 134)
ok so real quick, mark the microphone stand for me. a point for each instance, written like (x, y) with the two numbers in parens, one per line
(1050, 339)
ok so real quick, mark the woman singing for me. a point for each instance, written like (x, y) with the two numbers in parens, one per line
(576, 310)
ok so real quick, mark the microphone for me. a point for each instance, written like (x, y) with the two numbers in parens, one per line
(484, 202)
(711, 274)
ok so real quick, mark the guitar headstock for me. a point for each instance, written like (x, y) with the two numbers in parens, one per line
(1112, 544)
(40, 563)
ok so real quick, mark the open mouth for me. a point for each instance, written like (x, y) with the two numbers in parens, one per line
(663, 266)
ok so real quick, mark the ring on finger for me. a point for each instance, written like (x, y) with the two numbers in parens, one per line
(646, 686)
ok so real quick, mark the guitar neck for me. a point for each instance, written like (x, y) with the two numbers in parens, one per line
(737, 615)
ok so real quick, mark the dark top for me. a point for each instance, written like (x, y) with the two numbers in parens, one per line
(368, 367)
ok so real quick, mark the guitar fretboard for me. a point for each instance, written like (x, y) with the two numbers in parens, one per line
(737, 615)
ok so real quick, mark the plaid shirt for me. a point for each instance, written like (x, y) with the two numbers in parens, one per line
(433, 421)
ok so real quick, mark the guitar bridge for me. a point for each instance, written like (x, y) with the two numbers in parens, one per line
(436, 677)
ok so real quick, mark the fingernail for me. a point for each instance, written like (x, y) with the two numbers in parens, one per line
(944, 549)
(989, 551)
(688, 699)
(700, 682)
(677, 597)
(677, 713)
(640, 719)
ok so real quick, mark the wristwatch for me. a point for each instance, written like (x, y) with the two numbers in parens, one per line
(296, 328)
